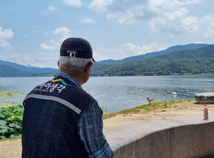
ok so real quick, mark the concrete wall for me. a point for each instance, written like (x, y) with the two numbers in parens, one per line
(189, 137)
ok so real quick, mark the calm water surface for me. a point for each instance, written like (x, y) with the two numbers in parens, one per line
(118, 93)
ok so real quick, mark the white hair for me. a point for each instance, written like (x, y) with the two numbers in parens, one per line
(77, 63)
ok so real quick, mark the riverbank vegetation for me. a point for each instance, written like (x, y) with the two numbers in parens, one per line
(10, 115)
(9, 94)
(11, 121)
(162, 106)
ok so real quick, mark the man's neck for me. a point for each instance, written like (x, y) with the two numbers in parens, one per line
(77, 76)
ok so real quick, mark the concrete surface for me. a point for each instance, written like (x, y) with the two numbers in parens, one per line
(189, 137)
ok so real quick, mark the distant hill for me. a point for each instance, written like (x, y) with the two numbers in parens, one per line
(6, 71)
(154, 54)
(30, 69)
(197, 61)
(9, 69)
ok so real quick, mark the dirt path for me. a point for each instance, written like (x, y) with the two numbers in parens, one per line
(12, 148)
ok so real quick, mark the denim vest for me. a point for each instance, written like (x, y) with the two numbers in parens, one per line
(51, 114)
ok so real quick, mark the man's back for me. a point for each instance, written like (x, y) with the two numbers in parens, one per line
(50, 127)
(49, 134)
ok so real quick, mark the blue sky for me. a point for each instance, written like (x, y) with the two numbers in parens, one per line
(31, 31)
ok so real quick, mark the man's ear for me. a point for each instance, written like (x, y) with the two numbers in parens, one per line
(58, 63)
(88, 67)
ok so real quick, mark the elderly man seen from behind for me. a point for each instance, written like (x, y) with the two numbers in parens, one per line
(61, 120)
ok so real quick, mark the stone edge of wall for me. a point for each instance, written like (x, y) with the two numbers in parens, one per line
(167, 138)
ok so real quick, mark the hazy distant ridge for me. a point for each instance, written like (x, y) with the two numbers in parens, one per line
(9, 69)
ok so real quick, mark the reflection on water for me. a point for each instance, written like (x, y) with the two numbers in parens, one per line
(118, 93)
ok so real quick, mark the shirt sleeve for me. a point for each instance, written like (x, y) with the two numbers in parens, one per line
(90, 131)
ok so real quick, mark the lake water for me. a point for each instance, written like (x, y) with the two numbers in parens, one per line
(118, 93)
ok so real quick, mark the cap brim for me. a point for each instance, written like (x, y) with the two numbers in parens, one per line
(93, 60)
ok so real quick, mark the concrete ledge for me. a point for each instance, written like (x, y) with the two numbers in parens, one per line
(204, 98)
(189, 137)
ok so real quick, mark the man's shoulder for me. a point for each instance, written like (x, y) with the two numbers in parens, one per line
(86, 95)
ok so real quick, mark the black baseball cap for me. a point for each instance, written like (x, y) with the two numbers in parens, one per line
(81, 46)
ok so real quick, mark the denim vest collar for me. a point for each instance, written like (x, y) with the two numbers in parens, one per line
(70, 78)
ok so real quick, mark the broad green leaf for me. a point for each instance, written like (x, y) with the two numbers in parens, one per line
(6, 115)
(12, 130)
(12, 125)
(4, 130)
(19, 118)
(3, 122)
(15, 135)
(12, 118)
(20, 112)
(2, 137)
(2, 116)
(19, 107)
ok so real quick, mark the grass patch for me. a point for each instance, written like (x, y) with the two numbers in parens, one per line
(147, 108)
(6, 104)
(15, 138)
(109, 115)
(151, 107)
(10, 94)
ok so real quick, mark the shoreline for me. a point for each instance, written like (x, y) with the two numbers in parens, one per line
(154, 111)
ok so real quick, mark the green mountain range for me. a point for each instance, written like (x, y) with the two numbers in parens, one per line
(176, 60)
(154, 54)
(196, 61)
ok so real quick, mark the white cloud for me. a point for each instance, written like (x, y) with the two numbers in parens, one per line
(208, 22)
(14, 56)
(5, 34)
(132, 15)
(99, 56)
(51, 8)
(176, 26)
(161, 15)
(46, 47)
(209, 33)
(128, 11)
(126, 50)
(166, 4)
(172, 18)
(198, 42)
(130, 49)
(208, 19)
(73, 3)
(41, 59)
(60, 34)
(89, 20)
(179, 13)
(190, 24)
(100, 5)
